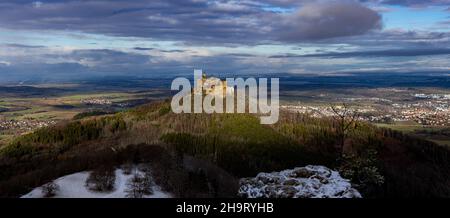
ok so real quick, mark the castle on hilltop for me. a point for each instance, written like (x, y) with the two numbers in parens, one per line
(213, 85)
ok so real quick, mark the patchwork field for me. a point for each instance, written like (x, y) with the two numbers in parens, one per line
(437, 134)
(25, 111)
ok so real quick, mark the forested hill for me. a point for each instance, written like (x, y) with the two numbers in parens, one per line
(380, 162)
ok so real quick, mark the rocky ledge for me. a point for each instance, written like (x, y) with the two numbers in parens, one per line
(302, 182)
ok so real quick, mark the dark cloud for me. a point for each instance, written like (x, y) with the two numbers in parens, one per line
(382, 53)
(107, 59)
(73, 65)
(160, 50)
(89, 63)
(445, 23)
(241, 55)
(23, 46)
(193, 21)
(143, 49)
(395, 39)
(43, 72)
(173, 51)
(329, 20)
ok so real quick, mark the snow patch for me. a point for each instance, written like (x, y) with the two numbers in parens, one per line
(74, 186)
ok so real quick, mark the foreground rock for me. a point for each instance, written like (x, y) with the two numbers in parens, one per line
(301, 182)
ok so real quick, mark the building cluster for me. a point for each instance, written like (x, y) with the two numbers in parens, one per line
(432, 96)
(96, 101)
(425, 116)
(24, 125)
(322, 111)
(433, 110)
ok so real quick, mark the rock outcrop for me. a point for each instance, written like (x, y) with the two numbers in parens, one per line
(301, 182)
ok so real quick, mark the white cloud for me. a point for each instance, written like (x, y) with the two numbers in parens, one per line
(5, 63)
(37, 4)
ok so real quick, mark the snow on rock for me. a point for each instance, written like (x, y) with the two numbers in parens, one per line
(74, 186)
(302, 182)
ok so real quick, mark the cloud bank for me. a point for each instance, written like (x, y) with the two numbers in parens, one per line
(194, 21)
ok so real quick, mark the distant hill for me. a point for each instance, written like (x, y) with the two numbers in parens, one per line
(380, 162)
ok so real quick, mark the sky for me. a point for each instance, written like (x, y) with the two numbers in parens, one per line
(76, 39)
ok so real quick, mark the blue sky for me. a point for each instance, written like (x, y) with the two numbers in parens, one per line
(416, 18)
(77, 39)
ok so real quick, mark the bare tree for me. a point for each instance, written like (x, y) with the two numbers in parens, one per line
(139, 185)
(101, 180)
(49, 190)
(346, 118)
(127, 168)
